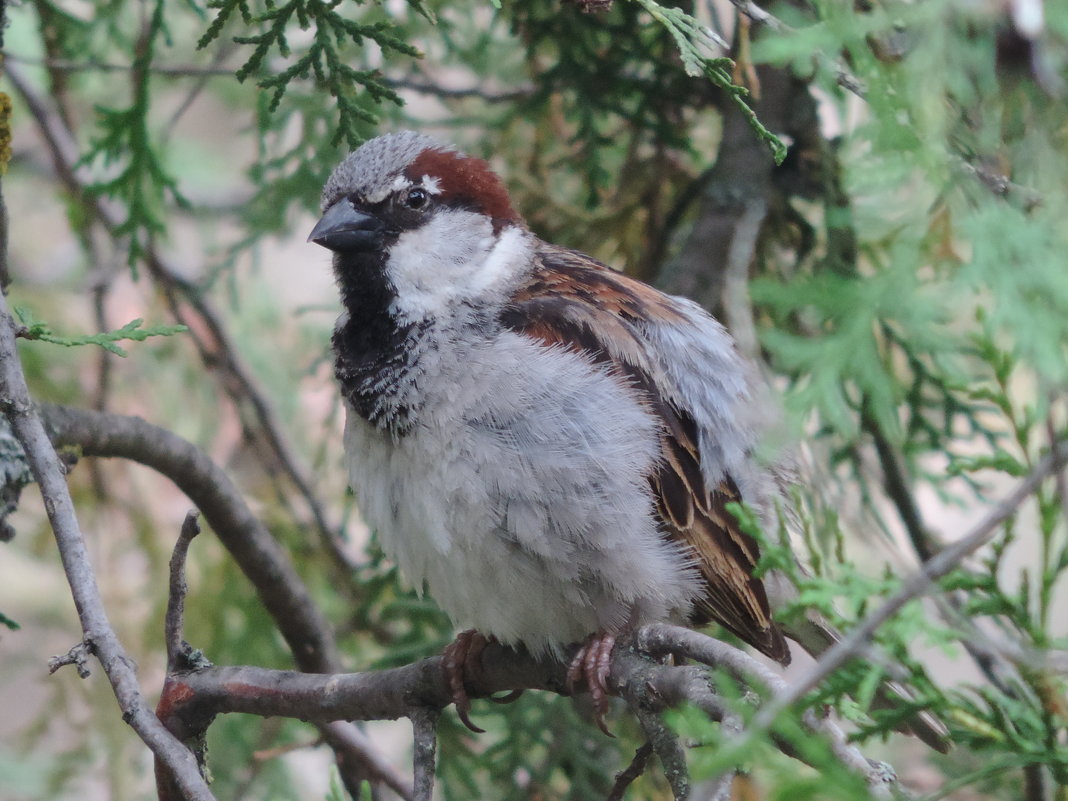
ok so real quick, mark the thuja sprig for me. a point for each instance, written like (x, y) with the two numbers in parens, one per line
(690, 36)
(141, 182)
(37, 330)
(322, 59)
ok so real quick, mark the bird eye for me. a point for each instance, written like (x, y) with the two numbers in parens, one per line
(416, 199)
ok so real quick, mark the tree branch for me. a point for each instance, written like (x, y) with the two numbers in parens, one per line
(424, 732)
(49, 474)
(917, 584)
(256, 552)
(174, 624)
(194, 698)
(626, 777)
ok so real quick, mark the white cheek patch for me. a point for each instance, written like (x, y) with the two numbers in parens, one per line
(506, 257)
(454, 258)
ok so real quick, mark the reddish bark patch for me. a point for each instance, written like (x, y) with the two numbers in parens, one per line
(174, 694)
(466, 181)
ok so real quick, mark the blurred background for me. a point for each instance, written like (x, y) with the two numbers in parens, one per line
(899, 275)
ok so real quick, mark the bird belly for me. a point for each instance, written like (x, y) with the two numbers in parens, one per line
(520, 497)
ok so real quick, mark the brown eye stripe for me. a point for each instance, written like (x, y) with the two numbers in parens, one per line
(465, 181)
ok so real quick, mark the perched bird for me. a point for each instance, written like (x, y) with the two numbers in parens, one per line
(545, 444)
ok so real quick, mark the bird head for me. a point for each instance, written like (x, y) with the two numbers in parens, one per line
(434, 224)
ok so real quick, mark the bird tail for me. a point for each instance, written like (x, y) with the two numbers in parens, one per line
(815, 635)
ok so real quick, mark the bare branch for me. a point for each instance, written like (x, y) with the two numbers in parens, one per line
(49, 474)
(427, 87)
(256, 552)
(174, 624)
(194, 698)
(761, 18)
(260, 557)
(188, 306)
(92, 65)
(424, 732)
(668, 750)
(626, 777)
(693, 687)
(77, 656)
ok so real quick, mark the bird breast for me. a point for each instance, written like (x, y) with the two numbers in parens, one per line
(520, 494)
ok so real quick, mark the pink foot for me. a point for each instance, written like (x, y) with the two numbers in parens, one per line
(591, 664)
(463, 657)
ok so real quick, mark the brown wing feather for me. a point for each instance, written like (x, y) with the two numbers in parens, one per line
(574, 301)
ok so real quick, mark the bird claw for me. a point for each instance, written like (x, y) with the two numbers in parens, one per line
(463, 657)
(592, 663)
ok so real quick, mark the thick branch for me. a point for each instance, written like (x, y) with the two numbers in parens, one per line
(49, 474)
(256, 552)
(194, 698)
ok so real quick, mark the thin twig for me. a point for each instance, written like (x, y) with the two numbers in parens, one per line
(433, 90)
(220, 55)
(49, 474)
(843, 77)
(626, 777)
(680, 687)
(424, 733)
(759, 16)
(1001, 185)
(174, 623)
(257, 553)
(77, 656)
(1059, 477)
(895, 482)
(92, 65)
(917, 584)
(668, 750)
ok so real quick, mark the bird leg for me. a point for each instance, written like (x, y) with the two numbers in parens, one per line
(591, 664)
(463, 657)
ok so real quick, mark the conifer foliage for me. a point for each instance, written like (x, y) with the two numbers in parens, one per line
(870, 195)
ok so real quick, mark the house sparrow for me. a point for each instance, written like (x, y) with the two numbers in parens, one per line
(545, 444)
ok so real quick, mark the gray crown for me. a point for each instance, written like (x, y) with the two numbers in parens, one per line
(371, 168)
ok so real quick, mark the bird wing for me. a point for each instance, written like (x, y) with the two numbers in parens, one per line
(574, 301)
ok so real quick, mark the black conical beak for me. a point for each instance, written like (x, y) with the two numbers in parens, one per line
(343, 228)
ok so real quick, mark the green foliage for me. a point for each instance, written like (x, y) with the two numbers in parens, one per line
(124, 146)
(337, 790)
(323, 58)
(715, 753)
(132, 331)
(932, 346)
(691, 37)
